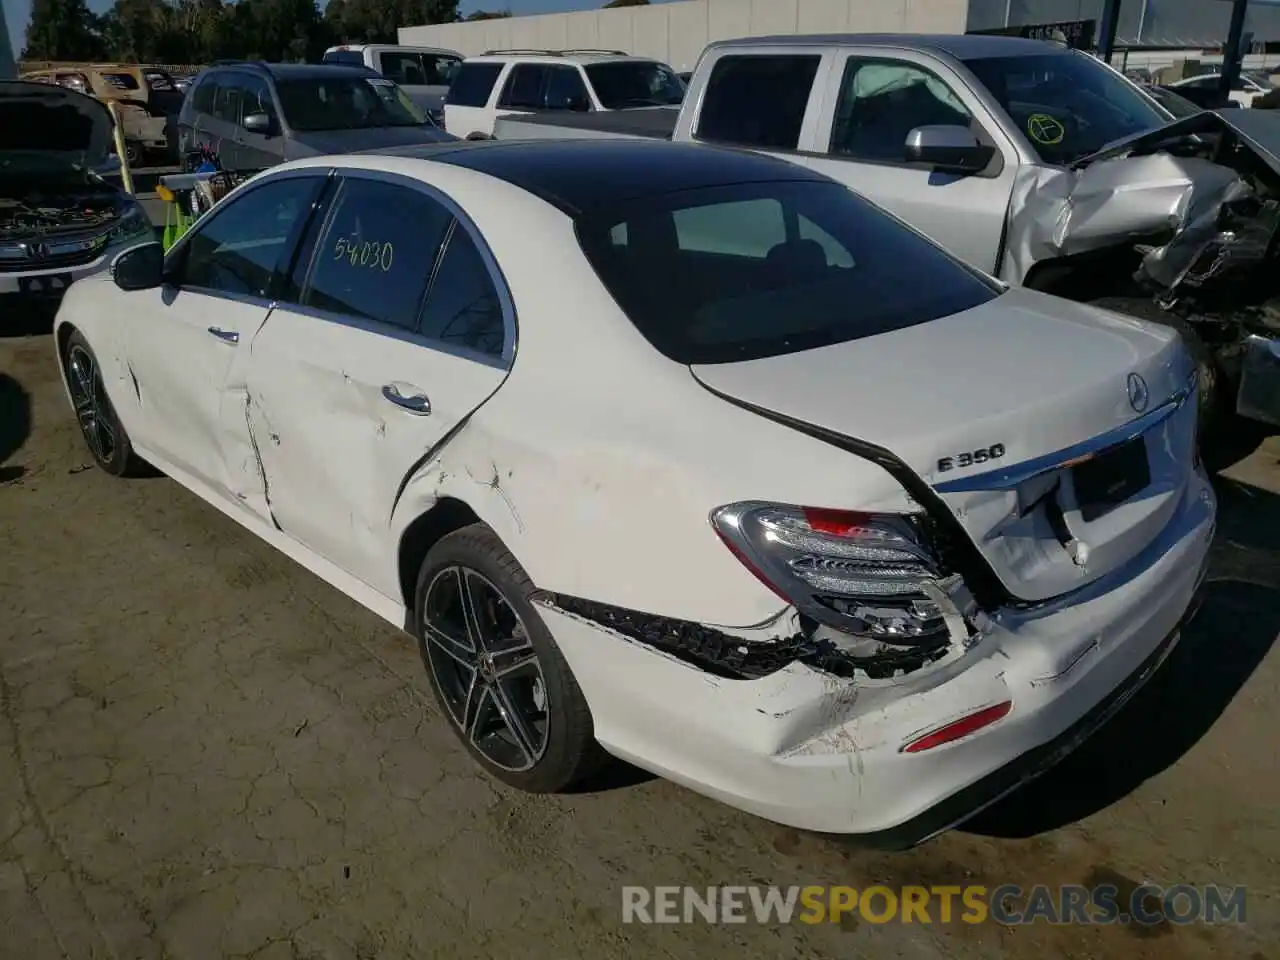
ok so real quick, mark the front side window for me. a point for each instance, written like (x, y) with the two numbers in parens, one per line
(256, 98)
(758, 270)
(1067, 104)
(462, 308)
(882, 101)
(204, 94)
(376, 254)
(473, 84)
(345, 103)
(524, 87)
(226, 100)
(242, 247)
(635, 83)
(758, 101)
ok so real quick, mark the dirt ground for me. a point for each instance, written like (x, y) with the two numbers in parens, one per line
(207, 752)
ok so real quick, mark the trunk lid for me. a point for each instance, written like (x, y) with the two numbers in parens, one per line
(41, 122)
(994, 408)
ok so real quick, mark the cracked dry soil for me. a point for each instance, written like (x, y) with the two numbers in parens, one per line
(207, 752)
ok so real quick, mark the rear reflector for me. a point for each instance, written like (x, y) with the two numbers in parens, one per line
(958, 729)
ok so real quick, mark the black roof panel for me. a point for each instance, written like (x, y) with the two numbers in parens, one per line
(578, 175)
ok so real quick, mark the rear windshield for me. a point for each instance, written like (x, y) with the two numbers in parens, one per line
(352, 57)
(346, 103)
(635, 83)
(473, 83)
(746, 271)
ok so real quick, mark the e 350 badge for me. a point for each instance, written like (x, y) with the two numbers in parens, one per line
(971, 457)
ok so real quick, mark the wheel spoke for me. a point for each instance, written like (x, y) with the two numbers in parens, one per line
(82, 370)
(471, 612)
(479, 702)
(510, 664)
(456, 651)
(515, 722)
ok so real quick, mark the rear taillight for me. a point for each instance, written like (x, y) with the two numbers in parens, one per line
(874, 576)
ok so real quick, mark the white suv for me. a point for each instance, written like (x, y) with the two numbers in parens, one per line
(533, 81)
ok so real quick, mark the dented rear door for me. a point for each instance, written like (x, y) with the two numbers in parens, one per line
(398, 335)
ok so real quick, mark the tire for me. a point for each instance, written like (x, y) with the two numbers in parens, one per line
(1211, 412)
(103, 433)
(133, 154)
(556, 747)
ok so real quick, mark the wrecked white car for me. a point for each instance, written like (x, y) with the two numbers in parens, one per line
(994, 147)
(686, 453)
(59, 220)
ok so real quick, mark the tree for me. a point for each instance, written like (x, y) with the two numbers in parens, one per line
(62, 30)
(612, 4)
(378, 21)
(488, 15)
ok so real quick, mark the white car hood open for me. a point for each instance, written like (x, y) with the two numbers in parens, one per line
(42, 121)
(1035, 375)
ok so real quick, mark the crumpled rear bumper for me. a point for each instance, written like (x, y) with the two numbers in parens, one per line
(812, 750)
(1259, 394)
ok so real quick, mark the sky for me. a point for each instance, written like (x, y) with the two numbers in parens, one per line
(17, 11)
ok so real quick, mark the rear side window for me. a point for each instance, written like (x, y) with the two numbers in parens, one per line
(759, 270)
(121, 81)
(462, 308)
(376, 254)
(524, 87)
(473, 84)
(757, 101)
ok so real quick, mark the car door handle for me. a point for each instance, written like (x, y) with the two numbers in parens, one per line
(407, 397)
(230, 336)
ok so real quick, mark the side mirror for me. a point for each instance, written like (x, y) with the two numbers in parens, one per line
(258, 123)
(953, 149)
(139, 268)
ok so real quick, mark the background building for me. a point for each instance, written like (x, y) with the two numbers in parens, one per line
(677, 32)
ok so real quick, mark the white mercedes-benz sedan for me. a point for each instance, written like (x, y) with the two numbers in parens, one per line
(680, 454)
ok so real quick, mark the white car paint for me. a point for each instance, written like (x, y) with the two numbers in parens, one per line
(597, 461)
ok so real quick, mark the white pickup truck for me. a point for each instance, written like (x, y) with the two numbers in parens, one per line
(1033, 162)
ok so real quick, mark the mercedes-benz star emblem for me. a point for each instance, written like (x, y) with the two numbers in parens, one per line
(1139, 395)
